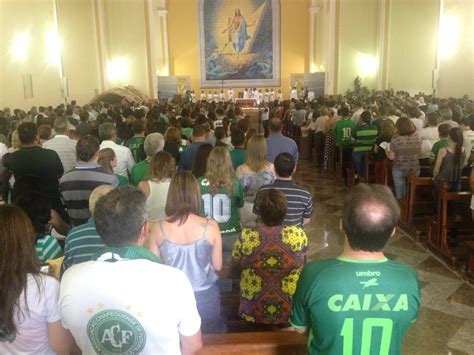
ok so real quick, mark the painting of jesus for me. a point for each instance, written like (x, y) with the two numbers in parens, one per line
(239, 42)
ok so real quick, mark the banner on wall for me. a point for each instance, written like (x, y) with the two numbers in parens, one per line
(169, 86)
(239, 43)
(314, 82)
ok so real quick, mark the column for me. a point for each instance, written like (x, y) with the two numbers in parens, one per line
(151, 49)
(331, 55)
(163, 56)
(382, 43)
(313, 11)
(101, 45)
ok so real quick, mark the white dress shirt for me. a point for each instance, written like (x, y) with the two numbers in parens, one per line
(125, 160)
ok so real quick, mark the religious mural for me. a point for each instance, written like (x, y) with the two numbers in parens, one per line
(239, 42)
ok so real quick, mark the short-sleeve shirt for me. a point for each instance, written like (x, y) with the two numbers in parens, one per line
(365, 138)
(48, 248)
(136, 146)
(407, 151)
(238, 156)
(443, 143)
(356, 307)
(224, 209)
(343, 132)
(32, 323)
(300, 202)
(139, 172)
(124, 314)
(277, 143)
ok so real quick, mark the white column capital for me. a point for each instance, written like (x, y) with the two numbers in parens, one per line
(161, 12)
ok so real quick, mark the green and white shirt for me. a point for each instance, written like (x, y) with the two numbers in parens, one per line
(356, 307)
(222, 208)
(343, 131)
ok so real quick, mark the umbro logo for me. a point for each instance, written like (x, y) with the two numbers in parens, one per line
(368, 283)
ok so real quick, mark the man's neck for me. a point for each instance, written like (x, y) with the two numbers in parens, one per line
(29, 145)
(349, 253)
(140, 134)
(284, 178)
(199, 139)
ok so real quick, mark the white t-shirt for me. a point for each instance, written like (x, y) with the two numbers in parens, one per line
(129, 306)
(32, 328)
(124, 156)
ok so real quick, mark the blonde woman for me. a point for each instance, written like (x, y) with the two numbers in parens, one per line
(254, 173)
(162, 168)
(108, 161)
(222, 197)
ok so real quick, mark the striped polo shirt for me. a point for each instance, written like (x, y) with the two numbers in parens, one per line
(300, 201)
(81, 243)
(76, 186)
(365, 137)
(48, 248)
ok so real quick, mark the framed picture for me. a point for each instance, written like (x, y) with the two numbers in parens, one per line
(239, 43)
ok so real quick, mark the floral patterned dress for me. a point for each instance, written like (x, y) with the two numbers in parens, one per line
(271, 259)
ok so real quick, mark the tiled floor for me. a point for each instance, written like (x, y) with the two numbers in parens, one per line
(445, 323)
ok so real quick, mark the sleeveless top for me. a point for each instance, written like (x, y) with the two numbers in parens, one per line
(156, 201)
(194, 259)
(447, 171)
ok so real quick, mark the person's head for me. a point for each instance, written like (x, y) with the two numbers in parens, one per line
(120, 217)
(369, 217)
(256, 158)
(107, 131)
(433, 119)
(219, 133)
(60, 125)
(173, 135)
(87, 148)
(405, 127)
(446, 113)
(219, 171)
(97, 193)
(465, 124)
(107, 160)
(44, 132)
(162, 166)
(272, 207)
(138, 126)
(388, 130)
(199, 133)
(84, 116)
(237, 137)
(244, 124)
(184, 197)
(365, 117)
(275, 125)
(153, 144)
(284, 165)
(443, 130)
(18, 259)
(343, 111)
(27, 133)
(413, 111)
(200, 159)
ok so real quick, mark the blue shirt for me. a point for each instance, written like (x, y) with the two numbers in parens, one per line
(278, 143)
(187, 157)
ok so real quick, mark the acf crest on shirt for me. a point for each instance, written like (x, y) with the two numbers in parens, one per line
(114, 331)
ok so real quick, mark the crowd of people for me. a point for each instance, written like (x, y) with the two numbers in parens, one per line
(154, 199)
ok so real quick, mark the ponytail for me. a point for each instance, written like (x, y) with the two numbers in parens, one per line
(456, 136)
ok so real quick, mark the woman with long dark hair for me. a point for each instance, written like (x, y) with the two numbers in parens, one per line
(449, 162)
(29, 313)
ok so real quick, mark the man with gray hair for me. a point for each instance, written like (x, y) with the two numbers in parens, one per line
(124, 313)
(83, 241)
(154, 143)
(62, 144)
(125, 162)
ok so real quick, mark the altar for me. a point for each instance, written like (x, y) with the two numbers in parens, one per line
(249, 108)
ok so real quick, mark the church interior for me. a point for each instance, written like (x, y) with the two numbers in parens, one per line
(350, 92)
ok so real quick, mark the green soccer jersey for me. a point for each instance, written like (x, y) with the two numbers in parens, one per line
(365, 137)
(139, 172)
(135, 144)
(222, 208)
(356, 307)
(343, 132)
(443, 143)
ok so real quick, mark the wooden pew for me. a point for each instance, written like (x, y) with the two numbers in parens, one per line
(470, 260)
(253, 343)
(341, 165)
(369, 169)
(438, 228)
